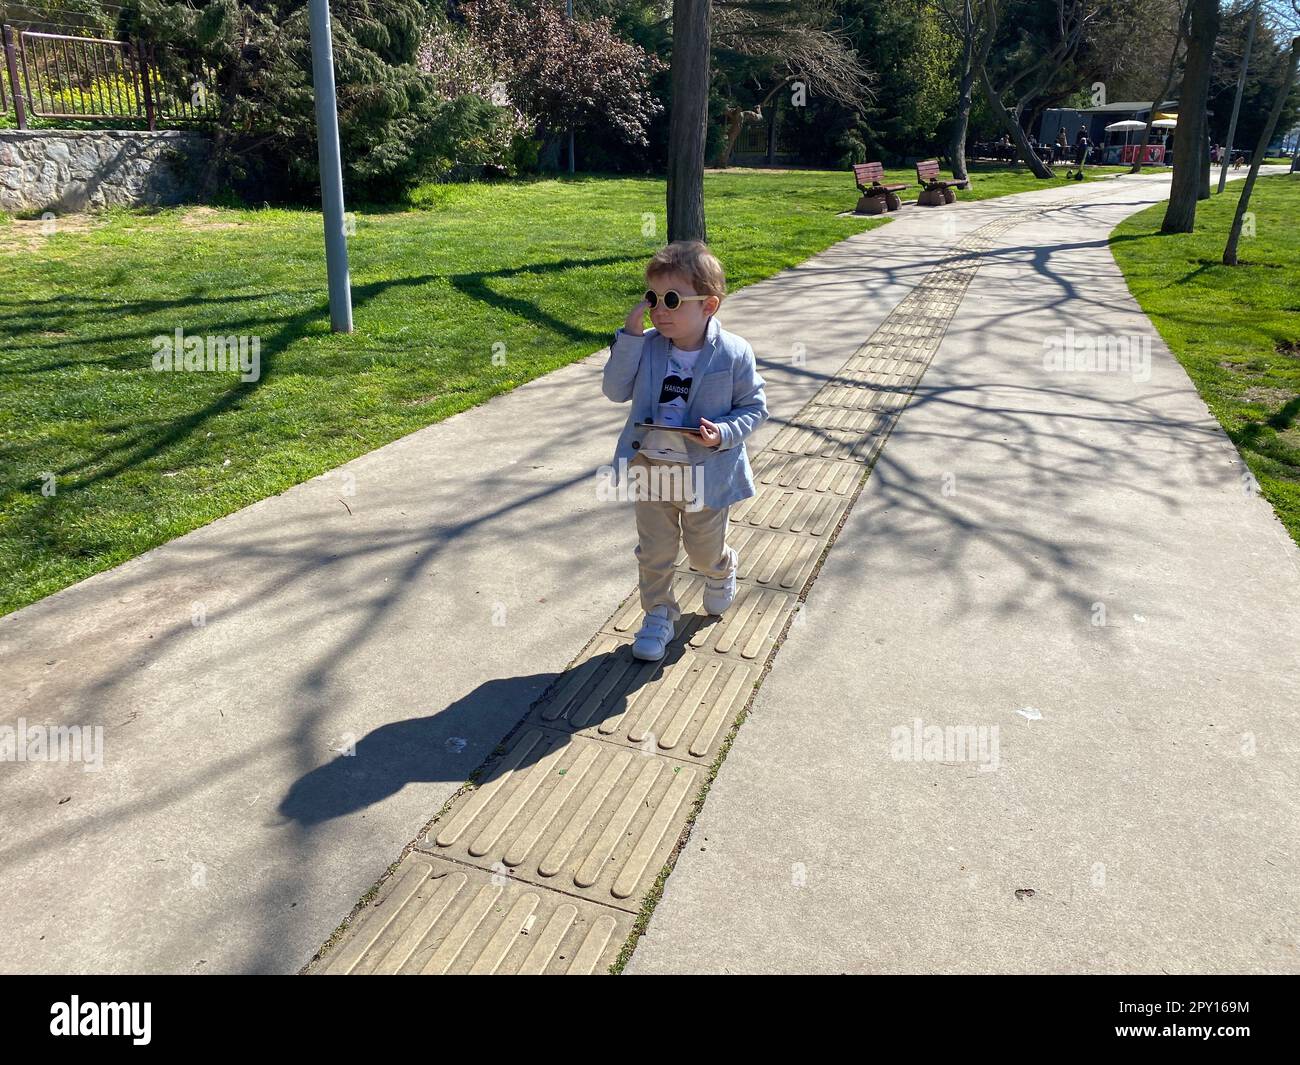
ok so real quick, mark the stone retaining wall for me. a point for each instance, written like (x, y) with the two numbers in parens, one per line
(72, 170)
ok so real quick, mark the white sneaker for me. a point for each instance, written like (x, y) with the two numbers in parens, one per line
(719, 593)
(652, 641)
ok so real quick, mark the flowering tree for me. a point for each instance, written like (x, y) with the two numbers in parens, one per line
(561, 74)
(460, 66)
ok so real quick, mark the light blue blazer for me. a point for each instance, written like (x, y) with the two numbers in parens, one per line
(726, 389)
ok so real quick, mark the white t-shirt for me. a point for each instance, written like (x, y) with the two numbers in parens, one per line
(673, 393)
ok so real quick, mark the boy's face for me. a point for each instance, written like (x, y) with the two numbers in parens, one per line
(688, 323)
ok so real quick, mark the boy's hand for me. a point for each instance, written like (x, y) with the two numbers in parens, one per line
(635, 324)
(710, 434)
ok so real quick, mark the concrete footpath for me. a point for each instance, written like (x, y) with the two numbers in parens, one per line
(472, 562)
(353, 663)
(1064, 585)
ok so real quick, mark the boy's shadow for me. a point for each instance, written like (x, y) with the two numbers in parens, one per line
(451, 744)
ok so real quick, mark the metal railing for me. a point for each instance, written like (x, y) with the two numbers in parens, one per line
(59, 77)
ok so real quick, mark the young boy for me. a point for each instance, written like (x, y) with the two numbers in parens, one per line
(689, 372)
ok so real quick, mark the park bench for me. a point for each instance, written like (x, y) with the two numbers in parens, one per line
(877, 197)
(935, 191)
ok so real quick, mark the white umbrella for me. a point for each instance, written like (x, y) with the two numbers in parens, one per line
(1128, 125)
(1159, 123)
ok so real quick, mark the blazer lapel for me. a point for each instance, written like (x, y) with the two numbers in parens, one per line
(702, 363)
(658, 367)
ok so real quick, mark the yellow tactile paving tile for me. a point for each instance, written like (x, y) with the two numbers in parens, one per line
(857, 393)
(876, 365)
(807, 474)
(842, 444)
(908, 330)
(434, 917)
(747, 631)
(681, 706)
(844, 419)
(792, 509)
(910, 360)
(578, 815)
(783, 561)
(687, 712)
(602, 674)
(940, 303)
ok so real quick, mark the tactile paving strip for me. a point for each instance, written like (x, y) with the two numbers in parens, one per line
(859, 394)
(807, 474)
(434, 917)
(777, 560)
(747, 631)
(543, 865)
(829, 443)
(791, 509)
(840, 419)
(580, 816)
(876, 365)
(681, 706)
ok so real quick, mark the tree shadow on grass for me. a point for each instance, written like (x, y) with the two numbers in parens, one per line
(151, 441)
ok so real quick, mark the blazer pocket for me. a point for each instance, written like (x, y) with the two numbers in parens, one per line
(716, 390)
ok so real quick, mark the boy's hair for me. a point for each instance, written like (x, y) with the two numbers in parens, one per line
(692, 259)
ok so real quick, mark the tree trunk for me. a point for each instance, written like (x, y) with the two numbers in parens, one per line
(736, 118)
(1203, 191)
(1257, 158)
(548, 156)
(1236, 99)
(1164, 89)
(1008, 120)
(957, 146)
(974, 54)
(771, 133)
(735, 122)
(1189, 136)
(688, 122)
(1145, 139)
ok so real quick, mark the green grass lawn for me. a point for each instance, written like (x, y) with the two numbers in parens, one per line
(1236, 330)
(548, 268)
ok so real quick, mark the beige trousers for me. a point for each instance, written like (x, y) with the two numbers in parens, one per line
(662, 525)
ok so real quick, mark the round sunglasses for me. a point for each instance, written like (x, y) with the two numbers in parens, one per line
(672, 298)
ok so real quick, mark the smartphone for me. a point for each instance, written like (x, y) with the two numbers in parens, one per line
(669, 428)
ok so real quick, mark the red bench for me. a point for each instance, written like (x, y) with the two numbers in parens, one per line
(877, 197)
(934, 190)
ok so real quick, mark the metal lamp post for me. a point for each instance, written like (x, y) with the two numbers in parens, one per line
(331, 168)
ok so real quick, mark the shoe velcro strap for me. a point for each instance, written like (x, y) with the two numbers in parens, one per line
(657, 626)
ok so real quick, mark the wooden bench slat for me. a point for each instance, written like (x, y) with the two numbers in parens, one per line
(876, 196)
(927, 173)
(869, 175)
